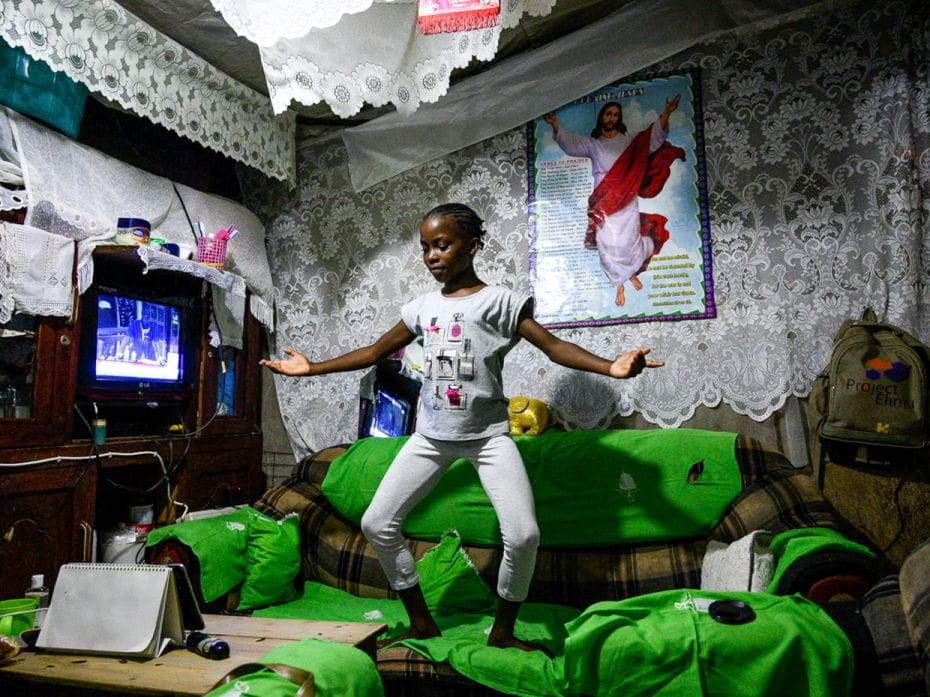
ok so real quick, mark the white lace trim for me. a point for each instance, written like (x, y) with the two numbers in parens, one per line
(11, 200)
(6, 275)
(229, 282)
(113, 53)
(382, 59)
(266, 21)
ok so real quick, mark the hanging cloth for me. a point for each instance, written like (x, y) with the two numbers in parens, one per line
(449, 16)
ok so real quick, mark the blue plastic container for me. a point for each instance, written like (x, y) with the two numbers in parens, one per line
(32, 88)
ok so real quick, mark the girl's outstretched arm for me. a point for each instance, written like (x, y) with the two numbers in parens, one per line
(298, 364)
(626, 365)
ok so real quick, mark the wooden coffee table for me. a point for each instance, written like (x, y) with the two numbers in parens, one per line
(177, 671)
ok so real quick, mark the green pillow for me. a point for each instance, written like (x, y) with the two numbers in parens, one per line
(591, 487)
(272, 561)
(219, 543)
(450, 581)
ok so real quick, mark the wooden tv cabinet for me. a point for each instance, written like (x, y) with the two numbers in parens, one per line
(185, 452)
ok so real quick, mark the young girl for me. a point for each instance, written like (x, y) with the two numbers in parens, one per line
(467, 328)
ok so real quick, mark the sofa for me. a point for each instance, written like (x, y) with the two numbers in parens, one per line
(773, 495)
(881, 618)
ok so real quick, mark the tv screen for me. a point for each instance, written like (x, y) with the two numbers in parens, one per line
(138, 339)
(136, 345)
(390, 416)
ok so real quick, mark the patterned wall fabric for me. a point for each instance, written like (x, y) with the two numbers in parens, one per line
(818, 166)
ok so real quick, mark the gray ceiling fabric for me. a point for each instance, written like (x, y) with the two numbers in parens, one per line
(519, 89)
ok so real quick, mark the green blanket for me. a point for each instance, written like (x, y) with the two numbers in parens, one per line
(657, 644)
(591, 487)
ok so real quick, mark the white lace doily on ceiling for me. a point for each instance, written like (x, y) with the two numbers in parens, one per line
(266, 21)
(374, 56)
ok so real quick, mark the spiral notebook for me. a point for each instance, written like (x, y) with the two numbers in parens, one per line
(115, 609)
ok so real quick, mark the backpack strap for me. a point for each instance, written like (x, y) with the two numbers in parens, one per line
(302, 678)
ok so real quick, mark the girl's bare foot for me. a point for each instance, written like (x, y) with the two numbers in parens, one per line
(409, 634)
(637, 284)
(514, 643)
(621, 298)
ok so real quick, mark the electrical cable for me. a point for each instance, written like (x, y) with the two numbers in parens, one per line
(97, 455)
(186, 214)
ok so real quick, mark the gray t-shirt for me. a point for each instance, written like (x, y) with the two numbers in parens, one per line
(465, 340)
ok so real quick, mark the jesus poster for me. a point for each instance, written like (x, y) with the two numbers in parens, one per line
(618, 207)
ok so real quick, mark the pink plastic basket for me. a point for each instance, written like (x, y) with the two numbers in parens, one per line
(211, 252)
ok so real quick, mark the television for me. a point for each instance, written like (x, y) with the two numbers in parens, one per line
(388, 402)
(136, 346)
(391, 415)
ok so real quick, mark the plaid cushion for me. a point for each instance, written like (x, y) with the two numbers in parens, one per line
(898, 656)
(406, 673)
(915, 599)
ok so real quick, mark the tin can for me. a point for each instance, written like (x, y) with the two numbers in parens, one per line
(133, 230)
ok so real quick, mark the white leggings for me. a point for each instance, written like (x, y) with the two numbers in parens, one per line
(415, 471)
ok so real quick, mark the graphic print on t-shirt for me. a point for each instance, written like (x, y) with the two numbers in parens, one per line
(448, 361)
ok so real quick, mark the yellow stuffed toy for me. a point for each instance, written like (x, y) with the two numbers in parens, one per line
(528, 416)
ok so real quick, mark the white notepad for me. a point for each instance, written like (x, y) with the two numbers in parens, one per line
(117, 609)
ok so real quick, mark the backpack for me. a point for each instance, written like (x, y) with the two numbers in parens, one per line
(873, 391)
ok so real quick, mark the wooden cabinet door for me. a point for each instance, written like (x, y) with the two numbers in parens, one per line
(221, 471)
(41, 514)
(54, 365)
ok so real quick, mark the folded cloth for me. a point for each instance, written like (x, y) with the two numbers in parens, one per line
(678, 643)
(35, 272)
(744, 565)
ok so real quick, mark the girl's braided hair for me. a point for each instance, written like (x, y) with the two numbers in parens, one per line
(466, 220)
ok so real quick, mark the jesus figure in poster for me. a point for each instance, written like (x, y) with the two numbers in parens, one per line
(625, 167)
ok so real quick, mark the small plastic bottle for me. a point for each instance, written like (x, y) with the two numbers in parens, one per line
(39, 590)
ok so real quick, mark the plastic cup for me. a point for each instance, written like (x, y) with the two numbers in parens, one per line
(17, 615)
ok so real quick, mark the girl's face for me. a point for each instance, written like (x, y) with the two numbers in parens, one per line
(446, 253)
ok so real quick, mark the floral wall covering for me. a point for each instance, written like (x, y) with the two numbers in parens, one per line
(818, 166)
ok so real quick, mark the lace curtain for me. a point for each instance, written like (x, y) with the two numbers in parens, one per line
(817, 143)
(333, 51)
(113, 53)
